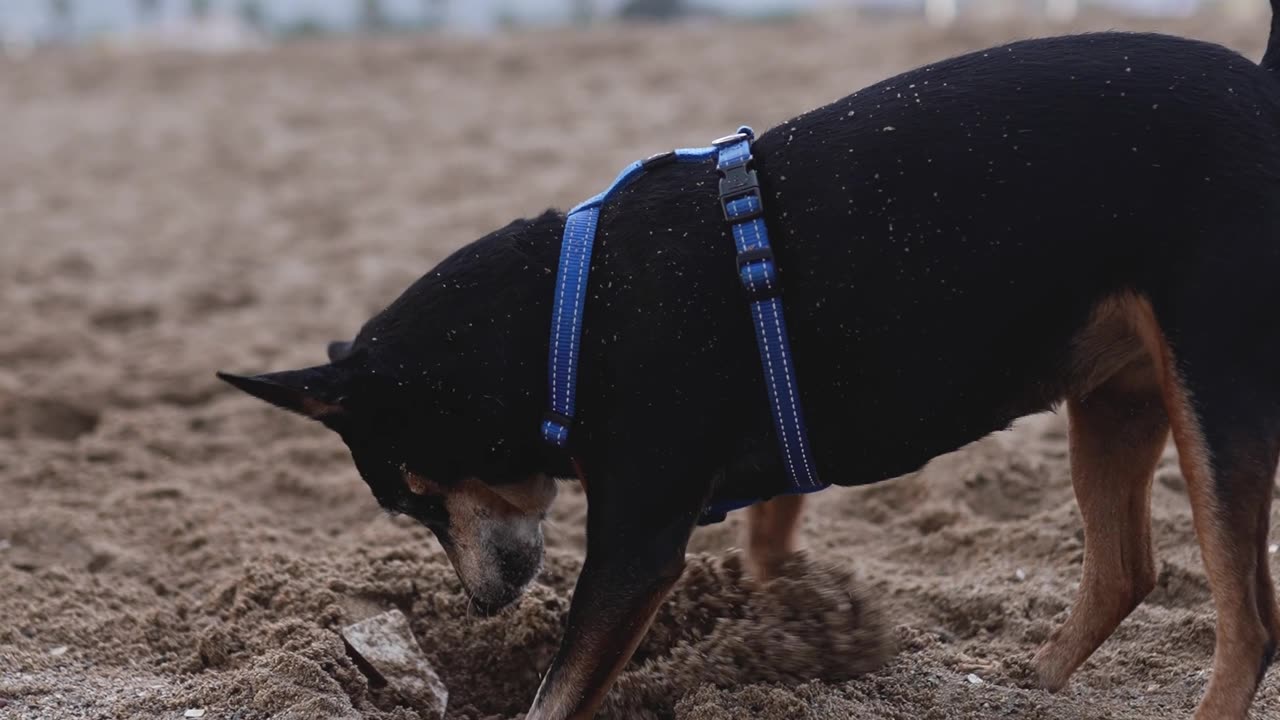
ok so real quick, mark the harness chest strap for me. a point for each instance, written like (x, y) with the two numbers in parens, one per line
(743, 209)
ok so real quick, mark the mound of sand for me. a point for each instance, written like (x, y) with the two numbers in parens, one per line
(166, 544)
(265, 642)
(720, 629)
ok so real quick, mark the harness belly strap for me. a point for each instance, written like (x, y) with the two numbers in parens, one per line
(743, 209)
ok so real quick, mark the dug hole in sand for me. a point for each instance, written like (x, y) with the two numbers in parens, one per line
(719, 629)
(167, 545)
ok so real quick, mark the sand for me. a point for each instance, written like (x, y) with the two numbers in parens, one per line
(167, 544)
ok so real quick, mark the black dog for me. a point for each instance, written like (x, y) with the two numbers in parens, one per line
(1090, 219)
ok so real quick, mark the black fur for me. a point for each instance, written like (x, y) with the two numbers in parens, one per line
(942, 236)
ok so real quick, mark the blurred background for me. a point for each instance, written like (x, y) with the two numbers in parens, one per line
(239, 23)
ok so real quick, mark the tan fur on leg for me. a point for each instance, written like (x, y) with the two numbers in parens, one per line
(1117, 434)
(1268, 607)
(772, 533)
(1233, 552)
(1232, 564)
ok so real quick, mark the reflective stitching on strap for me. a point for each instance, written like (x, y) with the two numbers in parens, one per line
(774, 400)
(740, 195)
(785, 359)
(578, 294)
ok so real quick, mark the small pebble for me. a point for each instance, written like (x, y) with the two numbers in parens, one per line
(194, 713)
(60, 650)
(973, 679)
(1273, 549)
(1020, 574)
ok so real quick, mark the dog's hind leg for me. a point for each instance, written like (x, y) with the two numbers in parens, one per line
(772, 533)
(1221, 391)
(1229, 472)
(1117, 432)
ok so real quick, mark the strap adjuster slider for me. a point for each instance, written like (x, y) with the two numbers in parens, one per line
(755, 255)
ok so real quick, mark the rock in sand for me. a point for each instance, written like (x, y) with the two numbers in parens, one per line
(385, 650)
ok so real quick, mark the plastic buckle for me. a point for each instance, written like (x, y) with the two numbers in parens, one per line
(736, 183)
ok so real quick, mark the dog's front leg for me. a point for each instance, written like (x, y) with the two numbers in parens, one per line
(636, 542)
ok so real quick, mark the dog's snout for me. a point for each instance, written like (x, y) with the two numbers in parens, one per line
(518, 563)
(496, 601)
(496, 563)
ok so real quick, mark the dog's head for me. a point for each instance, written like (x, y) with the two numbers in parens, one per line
(439, 404)
(485, 508)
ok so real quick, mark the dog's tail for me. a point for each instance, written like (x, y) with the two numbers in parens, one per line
(1271, 58)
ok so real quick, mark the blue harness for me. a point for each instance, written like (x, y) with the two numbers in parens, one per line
(744, 210)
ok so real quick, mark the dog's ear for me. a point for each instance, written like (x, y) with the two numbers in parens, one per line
(339, 350)
(316, 392)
